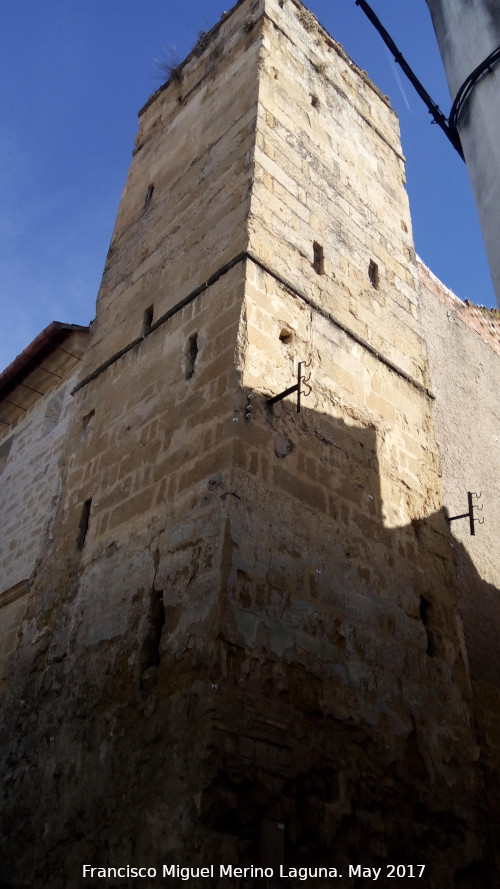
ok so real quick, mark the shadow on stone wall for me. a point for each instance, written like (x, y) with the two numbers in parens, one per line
(329, 693)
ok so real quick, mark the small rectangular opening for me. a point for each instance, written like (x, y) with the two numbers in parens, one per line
(373, 274)
(191, 355)
(319, 260)
(286, 336)
(426, 616)
(272, 844)
(84, 525)
(4, 453)
(87, 418)
(147, 320)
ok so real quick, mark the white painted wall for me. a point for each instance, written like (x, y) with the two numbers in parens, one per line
(467, 32)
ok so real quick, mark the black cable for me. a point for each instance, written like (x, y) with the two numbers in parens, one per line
(467, 87)
(433, 109)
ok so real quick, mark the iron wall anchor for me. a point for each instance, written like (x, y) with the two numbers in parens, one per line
(296, 388)
(470, 513)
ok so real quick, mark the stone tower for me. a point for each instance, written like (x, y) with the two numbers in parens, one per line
(243, 641)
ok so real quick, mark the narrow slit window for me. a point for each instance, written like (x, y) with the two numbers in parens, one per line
(272, 844)
(319, 259)
(53, 412)
(4, 453)
(426, 616)
(149, 193)
(87, 418)
(373, 274)
(147, 320)
(191, 355)
(84, 525)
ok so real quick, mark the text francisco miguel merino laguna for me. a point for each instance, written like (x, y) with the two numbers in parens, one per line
(176, 871)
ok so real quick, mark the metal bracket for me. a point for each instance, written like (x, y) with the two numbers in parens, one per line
(296, 388)
(470, 513)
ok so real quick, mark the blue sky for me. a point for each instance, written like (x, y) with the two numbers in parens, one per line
(75, 73)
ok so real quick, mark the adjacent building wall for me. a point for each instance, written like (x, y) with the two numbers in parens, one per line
(30, 482)
(463, 343)
(31, 453)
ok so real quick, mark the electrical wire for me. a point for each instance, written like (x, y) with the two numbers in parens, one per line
(467, 87)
